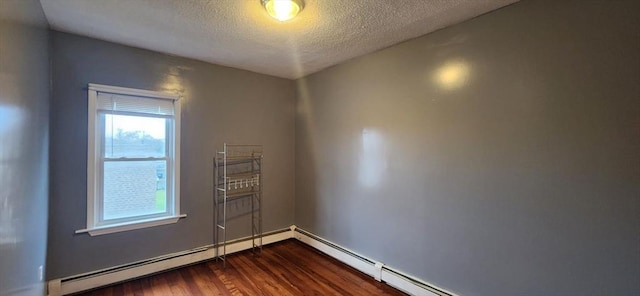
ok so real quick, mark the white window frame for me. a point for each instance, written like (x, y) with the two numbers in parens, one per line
(94, 155)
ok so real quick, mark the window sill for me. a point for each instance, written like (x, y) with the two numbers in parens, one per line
(100, 230)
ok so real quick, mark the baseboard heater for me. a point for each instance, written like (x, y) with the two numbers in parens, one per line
(126, 272)
(142, 268)
(369, 266)
(135, 264)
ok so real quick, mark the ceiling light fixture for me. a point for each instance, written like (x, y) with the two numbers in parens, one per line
(283, 10)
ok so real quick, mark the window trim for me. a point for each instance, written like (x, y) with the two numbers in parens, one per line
(93, 156)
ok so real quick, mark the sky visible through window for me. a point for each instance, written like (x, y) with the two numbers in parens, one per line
(134, 136)
(152, 126)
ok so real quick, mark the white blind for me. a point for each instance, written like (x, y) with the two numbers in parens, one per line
(125, 103)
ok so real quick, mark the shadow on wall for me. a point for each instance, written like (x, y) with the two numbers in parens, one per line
(306, 160)
(24, 90)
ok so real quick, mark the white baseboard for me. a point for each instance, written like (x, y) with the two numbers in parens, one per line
(367, 267)
(245, 244)
(377, 270)
(99, 278)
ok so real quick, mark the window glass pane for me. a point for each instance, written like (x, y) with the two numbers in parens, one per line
(134, 136)
(134, 188)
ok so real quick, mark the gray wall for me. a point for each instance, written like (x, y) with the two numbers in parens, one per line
(24, 129)
(220, 105)
(521, 179)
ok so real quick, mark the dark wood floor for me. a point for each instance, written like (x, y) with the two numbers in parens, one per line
(285, 268)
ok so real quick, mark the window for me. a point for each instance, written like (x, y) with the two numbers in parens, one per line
(133, 161)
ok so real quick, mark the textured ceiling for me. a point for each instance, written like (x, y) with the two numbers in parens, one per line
(239, 33)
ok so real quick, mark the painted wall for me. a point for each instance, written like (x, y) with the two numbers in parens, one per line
(220, 105)
(500, 156)
(24, 132)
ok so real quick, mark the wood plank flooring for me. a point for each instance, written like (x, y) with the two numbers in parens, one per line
(285, 268)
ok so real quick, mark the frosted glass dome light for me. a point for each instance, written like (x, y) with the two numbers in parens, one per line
(283, 10)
